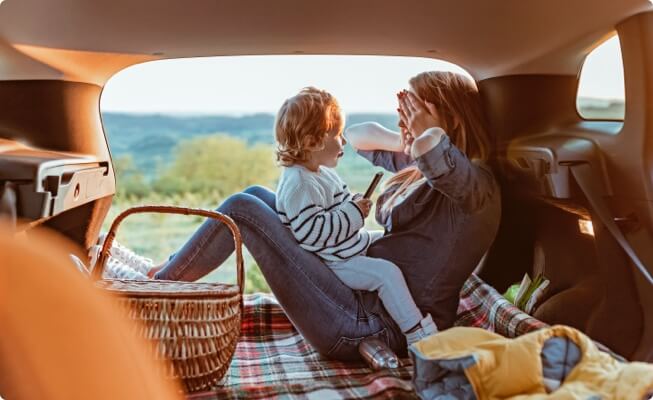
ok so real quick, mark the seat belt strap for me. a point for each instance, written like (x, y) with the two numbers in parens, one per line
(586, 180)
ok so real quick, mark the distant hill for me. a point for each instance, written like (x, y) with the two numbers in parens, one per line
(592, 108)
(151, 138)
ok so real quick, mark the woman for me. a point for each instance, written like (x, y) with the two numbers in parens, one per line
(440, 212)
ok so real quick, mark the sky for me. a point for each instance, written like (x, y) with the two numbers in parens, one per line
(602, 75)
(252, 84)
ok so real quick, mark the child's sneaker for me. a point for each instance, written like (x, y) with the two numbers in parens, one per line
(115, 268)
(138, 263)
(425, 328)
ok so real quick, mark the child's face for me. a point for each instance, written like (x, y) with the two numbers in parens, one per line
(332, 151)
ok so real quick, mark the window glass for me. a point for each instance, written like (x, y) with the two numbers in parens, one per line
(191, 132)
(601, 91)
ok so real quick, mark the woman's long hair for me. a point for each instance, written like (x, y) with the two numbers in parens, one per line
(458, 103)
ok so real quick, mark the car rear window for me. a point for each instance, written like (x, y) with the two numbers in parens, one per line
(191, 132)
(601, 92)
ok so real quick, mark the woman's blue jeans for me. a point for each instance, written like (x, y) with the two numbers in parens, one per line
(331, 316)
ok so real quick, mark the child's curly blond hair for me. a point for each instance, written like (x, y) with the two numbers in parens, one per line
(303, 122)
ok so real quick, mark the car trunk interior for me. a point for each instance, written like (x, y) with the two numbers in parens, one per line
(59, 116)
(594, 286)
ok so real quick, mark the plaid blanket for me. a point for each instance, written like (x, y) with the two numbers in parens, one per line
(273, 361)
(483, 307)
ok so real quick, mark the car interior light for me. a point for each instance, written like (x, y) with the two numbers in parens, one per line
(586, 227)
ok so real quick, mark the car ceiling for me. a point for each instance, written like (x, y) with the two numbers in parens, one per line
(90, 40)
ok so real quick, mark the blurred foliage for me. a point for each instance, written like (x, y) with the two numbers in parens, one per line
(254, 280)
(217, 165)
(601, 109)
(207, 168)
(131, 180)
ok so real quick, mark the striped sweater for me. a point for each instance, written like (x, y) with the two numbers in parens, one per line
(318, 209)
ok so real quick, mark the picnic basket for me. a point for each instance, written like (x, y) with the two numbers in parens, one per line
(194, 326)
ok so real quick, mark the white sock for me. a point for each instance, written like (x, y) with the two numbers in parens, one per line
(127, 256)
(116, 269)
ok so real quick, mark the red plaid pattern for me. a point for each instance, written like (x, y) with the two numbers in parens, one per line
(483, 307)
(273, 361)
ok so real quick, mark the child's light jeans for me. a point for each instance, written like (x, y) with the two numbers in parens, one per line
(377, 274)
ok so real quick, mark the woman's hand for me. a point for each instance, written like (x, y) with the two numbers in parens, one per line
(416, 115)
(406, 139)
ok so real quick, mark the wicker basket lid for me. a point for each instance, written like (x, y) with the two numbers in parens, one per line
(176, 289)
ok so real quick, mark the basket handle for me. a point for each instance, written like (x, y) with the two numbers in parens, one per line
(96, 274)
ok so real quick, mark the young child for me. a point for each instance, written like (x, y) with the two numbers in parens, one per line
(315, 204)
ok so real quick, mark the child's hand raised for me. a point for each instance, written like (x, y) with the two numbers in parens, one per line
(364, 204)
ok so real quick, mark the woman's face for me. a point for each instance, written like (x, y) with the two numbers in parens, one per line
(413, 107)
(439, 113)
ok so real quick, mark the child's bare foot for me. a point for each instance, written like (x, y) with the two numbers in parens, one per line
(155, 269)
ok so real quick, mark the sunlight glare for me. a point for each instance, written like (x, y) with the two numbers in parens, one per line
(586, 227)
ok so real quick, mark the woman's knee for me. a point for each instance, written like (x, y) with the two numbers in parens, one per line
(254, 215)
(266, 195)
(257, 190)
(241, 202)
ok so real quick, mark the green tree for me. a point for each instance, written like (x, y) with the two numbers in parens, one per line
(129, 179)
(217, 165)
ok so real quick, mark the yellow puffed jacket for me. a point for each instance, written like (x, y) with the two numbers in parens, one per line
(469, 363)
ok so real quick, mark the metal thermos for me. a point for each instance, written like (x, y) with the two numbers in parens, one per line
(377, 354)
